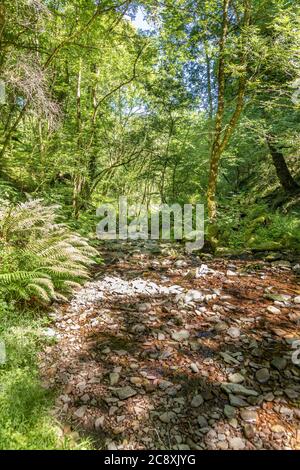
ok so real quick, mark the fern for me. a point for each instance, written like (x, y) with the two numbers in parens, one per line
(40, 259)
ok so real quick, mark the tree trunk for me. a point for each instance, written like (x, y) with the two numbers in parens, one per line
(284, 175)
(222, 132)
(215, 151)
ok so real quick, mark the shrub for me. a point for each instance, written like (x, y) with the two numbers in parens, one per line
(40, 259)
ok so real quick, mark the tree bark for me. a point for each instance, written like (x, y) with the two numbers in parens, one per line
(222, 132)
(284, 175)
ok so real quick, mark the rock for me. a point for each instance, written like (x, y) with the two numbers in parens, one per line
(167, 417)
(99, 422)
(262, 375)
(180, 263)
(180, 335)
(112, 446)
(237, 401)
(231, 273)
(202, 421)
(291, 394)
(85, 398)
(236, 378)
(229, 411)
(279, 363)
(145, 307)
(278, 429)
(194, 368)
(80, 412)
(273, 310)
(238, 389)
(228, 358)
(125, 392)
(248, 416)
(222, 445)
(297, 300)
(236, 443)
(138, 328)
(114, 378)
(249, 431)
(197, 401)
(234, 332)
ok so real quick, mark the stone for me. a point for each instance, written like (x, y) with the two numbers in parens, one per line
(180, 335)
(234, 332)
(236, 378)
(99, 422)
(114, 378)
(197, 401)
(291, 394)
(202, 421)
(167, 417)
(236, 443)
(249, 431)
(278, 429)
(273, 310)
(249, 416)
(194, 368)
(229, 411)
(222, 445)
(279, 363)
(262, 375)
(80, 412)
(238, 389)
(297, 299)
(145, 307)
(237, 401)
(125, 392)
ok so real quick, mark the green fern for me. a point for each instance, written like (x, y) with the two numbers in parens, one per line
(40, 259)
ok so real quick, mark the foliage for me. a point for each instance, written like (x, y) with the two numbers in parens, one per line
(40, 258)
(24, 403)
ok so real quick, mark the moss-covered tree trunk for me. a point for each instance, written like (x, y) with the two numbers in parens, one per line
(284, 175)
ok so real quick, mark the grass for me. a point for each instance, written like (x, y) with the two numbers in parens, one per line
(25, 406)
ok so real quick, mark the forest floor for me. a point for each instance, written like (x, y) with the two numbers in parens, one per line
(163, 350)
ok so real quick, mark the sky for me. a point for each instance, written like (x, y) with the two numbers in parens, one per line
(139, 21)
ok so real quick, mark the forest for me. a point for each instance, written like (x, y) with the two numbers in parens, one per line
(133, 342)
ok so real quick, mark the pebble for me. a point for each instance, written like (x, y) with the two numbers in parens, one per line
(114, 378)
(248, 416)
(197, 401)
(262, 375)
(237, 401)
(273, 310)
(125, 392)
(202, 421)
(236, 443)
(99, 422)
(180, 335)
(80, 412)
(279, 363)
(194, 368)
(278, 429)
(236, 378)
(229, 411)
(249, 431)
(167, 417)
(234, 332)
